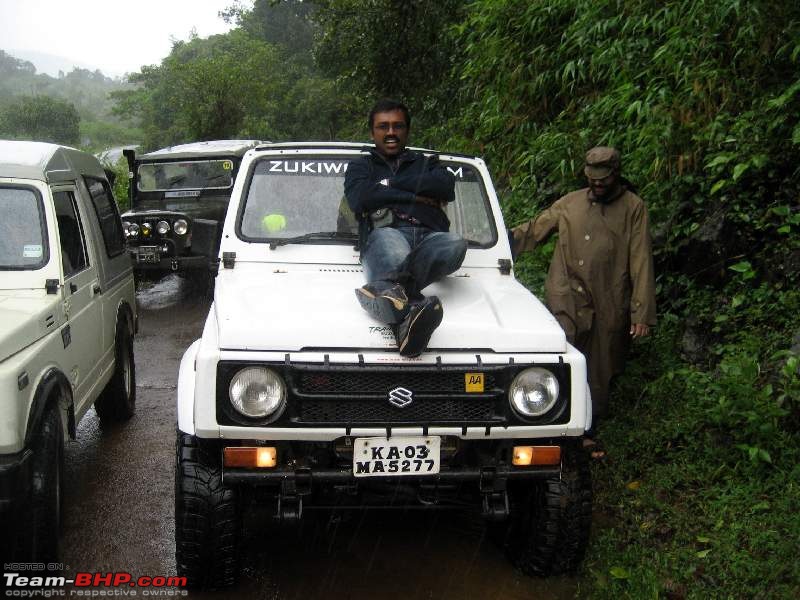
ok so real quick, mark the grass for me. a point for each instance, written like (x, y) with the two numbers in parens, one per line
(681, 508)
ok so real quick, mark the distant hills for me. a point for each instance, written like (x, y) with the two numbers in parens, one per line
(51, 64)
(87, 90)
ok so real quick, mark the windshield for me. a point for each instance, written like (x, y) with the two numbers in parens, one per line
(185, 175)
(22, 237)
(287, 198)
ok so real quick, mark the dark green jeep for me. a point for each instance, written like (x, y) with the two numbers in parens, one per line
(179, 196)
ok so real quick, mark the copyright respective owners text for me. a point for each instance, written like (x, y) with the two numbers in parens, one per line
(40, 580)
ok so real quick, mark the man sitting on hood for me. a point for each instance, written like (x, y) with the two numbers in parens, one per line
(399, 198)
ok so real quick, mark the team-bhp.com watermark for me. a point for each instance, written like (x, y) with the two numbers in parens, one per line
(25, 580)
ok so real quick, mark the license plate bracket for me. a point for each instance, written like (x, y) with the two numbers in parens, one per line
(396, 456)
(148, 254)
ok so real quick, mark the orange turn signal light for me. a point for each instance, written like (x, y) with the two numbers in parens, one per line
(525, 456)
(250, 458)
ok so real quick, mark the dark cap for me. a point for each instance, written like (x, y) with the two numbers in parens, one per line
(602, 161)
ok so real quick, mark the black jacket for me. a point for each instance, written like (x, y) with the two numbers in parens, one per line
(414, 175)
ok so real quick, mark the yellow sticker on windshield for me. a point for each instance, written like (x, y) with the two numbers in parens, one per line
(473, 382)
(227, 165)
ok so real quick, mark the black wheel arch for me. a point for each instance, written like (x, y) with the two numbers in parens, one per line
(52, 386)
(126, 312)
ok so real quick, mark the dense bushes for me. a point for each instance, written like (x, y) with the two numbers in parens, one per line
(703, 98)
(40, 118)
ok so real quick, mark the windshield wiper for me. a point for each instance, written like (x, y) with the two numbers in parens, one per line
(318, 235)
(211, 178)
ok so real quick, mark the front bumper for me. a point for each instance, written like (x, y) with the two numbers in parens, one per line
(461, 461)
(308, 477)
(166, 262)
(15, 481)
(473, 475)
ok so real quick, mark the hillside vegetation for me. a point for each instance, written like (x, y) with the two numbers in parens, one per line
(73, 108)
(699, 497)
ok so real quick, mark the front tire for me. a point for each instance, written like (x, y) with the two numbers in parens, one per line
(551, 520)
(117, 402)
(44, 511)
(207, 517)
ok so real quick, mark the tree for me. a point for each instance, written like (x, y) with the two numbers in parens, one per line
(231, 86)
(216, 88)
(41, 118)
(283, 23)
(405, 50)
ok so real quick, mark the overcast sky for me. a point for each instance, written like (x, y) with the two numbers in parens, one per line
(114, 36)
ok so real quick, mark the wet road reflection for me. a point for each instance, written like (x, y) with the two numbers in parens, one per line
(119, 498)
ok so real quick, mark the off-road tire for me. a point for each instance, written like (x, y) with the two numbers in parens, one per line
(117, 401)
(551, 519)
(43, 513)
(207, 517)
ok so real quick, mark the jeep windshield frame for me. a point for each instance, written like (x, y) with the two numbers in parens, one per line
(294, 197)
(23, 229)
(185, 175)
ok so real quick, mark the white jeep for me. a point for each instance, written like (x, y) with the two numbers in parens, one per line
(294, 397)
(67, 320)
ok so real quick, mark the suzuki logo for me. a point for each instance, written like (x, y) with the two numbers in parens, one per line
(401, 397)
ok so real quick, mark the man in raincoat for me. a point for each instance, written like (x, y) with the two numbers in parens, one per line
(601, 285)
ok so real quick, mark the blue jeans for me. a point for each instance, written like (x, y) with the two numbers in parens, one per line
(412, 256)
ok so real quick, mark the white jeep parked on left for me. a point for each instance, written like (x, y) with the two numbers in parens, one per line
(67, 321)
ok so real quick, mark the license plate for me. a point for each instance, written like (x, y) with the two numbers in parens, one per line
(148, 254)
(396, 456)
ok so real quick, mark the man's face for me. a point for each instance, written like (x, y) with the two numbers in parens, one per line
(602, 187)
(389, 132)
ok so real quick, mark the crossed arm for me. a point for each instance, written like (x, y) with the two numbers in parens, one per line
(434, 187)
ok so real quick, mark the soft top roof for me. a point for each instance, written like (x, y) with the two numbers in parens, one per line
(202, 150)
(46, 162)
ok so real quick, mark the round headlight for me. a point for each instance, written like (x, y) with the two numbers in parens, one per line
(181, 226)
(146, 228)
(133, 230)
(257, 392)
(125, 227)
(162, 227)
(533, 392)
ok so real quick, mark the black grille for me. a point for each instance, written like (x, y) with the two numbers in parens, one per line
(380, 382)
(380, 411)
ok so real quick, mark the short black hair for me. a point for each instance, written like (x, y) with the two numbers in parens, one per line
(385, 105)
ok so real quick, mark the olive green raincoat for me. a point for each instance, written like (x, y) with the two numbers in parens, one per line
(600, 279)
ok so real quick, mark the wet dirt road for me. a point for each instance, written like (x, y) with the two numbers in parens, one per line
(118, 510)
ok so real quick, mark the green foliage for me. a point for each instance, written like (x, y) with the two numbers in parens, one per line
(382, 48)
(42, 119)
(699, 497)
(88, 91)
(98, 135)
(703, 99)
(231, 86)
(205, 89)
(121, 181)
(283, 23)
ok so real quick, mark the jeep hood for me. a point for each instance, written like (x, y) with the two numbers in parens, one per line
(279, 307)
(24, 318)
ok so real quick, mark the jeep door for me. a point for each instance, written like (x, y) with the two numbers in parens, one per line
(114, 266)
(82, 333)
